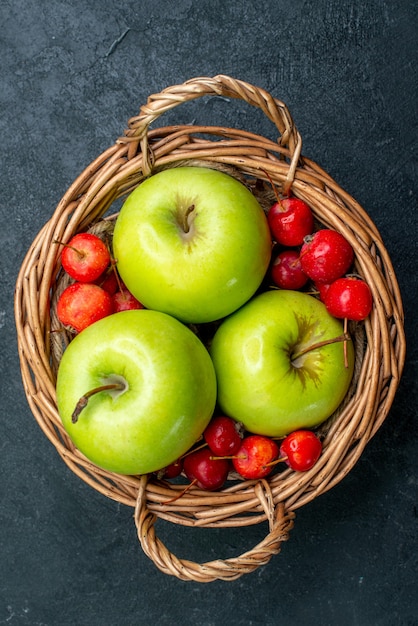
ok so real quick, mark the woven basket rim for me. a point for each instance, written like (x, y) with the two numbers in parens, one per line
(139, 153)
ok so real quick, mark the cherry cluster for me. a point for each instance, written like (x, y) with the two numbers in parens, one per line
(97, 290)
(228, 448)
(323, 257)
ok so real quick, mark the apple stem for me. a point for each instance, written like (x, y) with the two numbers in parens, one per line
(82, 403)
(186, 225)
(344, 337)
(80, 254)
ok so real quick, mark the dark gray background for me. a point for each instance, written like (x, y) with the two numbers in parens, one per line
(347, 71)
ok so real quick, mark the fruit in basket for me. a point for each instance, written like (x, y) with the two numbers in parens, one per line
(81, 304)
(282, 363)
(290, 221)
(349, 297)
(172, 470)
(135, 391)
(321, 289)
(301, 450)
(85, 257)
(204, 471)
(192, 242)
(286, 270)
(255, 457)
(123, 300)
(326, 255)
(109, 281)
(223, 435)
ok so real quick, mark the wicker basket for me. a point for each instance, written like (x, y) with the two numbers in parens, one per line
(255, 159)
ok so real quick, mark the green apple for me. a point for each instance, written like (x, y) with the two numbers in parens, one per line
(158, 391)
(192, 242)
(276, 368)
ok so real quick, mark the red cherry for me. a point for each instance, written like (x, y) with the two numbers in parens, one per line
(208, 473)
(286, 271)
(108, 281)
(223, 435)
(326, 255)
(322, 289)
(301, 450)
(350, 298)
(255, 456)
(81, 304)
(290, 220)
(124, 301)
(85, 257)
(171, 471)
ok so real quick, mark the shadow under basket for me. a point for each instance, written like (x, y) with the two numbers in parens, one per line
(257, 161)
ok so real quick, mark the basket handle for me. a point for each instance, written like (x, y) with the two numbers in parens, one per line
(221, 85)
(281, 522)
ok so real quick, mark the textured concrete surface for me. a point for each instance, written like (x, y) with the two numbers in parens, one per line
(71, 74)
